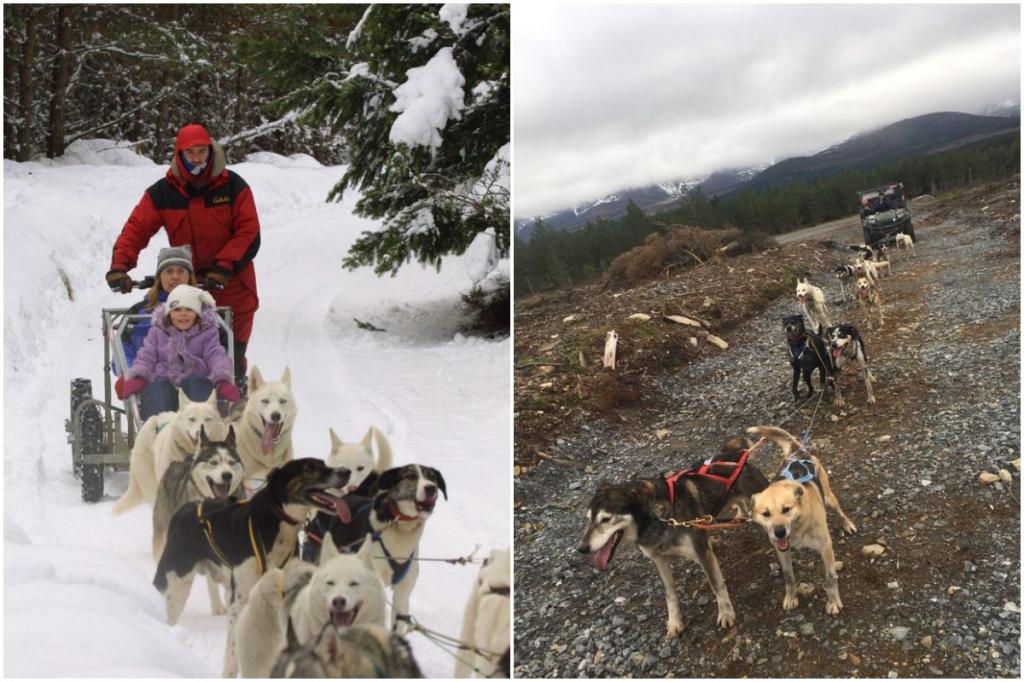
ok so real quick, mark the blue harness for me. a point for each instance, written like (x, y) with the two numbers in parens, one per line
(398, 570)
(800, 471)
(802, 347)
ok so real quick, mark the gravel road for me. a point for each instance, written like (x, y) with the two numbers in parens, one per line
(943, 598)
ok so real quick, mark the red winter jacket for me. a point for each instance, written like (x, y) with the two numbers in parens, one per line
(216, 215)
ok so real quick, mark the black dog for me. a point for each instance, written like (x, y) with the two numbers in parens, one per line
(377, 496)
(222, 535)
(807, 352)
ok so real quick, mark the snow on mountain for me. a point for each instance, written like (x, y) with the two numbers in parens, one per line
(79, 600)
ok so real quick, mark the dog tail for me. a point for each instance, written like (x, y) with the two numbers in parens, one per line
(784, 439)
(131, 497)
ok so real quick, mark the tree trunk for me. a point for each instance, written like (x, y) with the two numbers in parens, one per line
(163, 112)
(61, 75)
(28, 56)
(240, 121)
(10, 73)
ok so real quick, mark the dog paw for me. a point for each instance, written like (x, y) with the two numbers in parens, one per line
(726, 618)
(871, 400)
(833, 608)
(218, 610)
(849, 527)
(675, 628)
(790, 602)
(839, 402)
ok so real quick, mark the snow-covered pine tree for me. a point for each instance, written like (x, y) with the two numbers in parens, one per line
(423, 102)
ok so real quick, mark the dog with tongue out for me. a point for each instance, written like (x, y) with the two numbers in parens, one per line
(264, 427)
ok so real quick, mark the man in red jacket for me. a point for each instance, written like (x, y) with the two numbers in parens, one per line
(201, 203)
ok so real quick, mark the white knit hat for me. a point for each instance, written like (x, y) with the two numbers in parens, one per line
(188, 296)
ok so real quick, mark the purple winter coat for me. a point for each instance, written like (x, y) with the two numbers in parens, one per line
(168, 353)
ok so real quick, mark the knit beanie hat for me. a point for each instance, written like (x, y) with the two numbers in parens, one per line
(175, 255)
(188, 296)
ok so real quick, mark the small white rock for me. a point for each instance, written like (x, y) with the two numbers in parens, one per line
(569, 318)
(661, 434)
(873, 550)
(835, 417)
(987, 478)
(1011, 607)
(643, 317)
(894, 585)
(1005, 476)
(925, 482)
(884, 439)
(1016, 464)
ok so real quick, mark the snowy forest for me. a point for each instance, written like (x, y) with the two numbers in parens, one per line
(414, 99)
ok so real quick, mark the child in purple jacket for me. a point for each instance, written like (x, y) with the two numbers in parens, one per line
(182, 349)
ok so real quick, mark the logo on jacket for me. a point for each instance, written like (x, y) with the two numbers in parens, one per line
(220, 200)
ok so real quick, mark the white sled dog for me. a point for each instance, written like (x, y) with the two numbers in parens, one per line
(486, 621)
(359, 457)
(164, 438)
(263, 623)
(343, 591)
(812, 305)
(264, 429)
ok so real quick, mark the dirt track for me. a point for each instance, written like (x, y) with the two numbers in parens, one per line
(943, 600)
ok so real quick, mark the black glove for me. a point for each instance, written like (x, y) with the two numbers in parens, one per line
(119, 282)
(217, 278)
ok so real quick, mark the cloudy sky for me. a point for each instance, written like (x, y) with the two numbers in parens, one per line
(608, 97)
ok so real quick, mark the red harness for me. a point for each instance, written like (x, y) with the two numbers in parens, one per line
(705, 471)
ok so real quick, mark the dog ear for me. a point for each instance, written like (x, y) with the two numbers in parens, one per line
(389, 479)
(183, 400)
(335, 441)
(204, 441)
(255, 378)
(365, 555)
(368, 438)
(286, 378)
(327, 549)
(230, 440)
(212, 400)
(435, 476)
(799, 492)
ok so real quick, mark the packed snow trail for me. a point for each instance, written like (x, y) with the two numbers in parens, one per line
(78, 575)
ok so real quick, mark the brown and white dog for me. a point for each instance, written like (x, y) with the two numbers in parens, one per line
(847, 347)
(870, 297)
(792, 511)
(812, 304)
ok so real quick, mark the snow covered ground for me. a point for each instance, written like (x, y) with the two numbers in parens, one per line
(78, 598)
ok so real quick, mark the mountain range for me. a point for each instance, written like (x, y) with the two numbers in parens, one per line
(910, 137)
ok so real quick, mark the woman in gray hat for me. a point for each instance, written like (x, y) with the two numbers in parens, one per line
(173, 267)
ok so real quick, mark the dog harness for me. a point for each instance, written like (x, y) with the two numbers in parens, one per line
(317, 525)
(802, 346)
(705, 470)
(398, 570)
(801, 471)
(255, 541)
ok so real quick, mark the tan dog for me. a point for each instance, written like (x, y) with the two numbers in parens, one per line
(793, 514)
(904, 241)
(869, 296)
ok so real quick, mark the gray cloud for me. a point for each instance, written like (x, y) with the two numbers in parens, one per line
(613, 96)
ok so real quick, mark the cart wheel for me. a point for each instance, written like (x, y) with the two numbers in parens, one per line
(91, 441)
(92, 482)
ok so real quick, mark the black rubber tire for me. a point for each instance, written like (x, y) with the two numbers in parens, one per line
(913, 236)
(92, 440)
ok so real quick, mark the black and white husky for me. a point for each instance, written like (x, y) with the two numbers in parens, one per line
(213, 472)
(847, 347)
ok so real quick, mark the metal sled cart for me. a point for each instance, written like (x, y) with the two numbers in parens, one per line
(101, 433)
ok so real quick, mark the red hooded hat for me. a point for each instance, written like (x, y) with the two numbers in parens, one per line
(190, 136)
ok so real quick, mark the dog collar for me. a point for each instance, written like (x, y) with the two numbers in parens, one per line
(279, 510)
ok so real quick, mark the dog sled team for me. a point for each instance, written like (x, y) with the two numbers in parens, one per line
(671, 515)
(310, 560)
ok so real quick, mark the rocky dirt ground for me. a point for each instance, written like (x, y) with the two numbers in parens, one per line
(941, 601)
